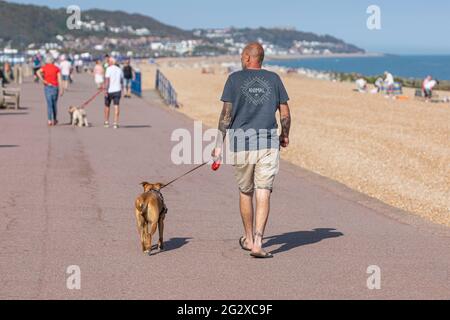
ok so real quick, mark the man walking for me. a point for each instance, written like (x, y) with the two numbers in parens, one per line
(66, 69)
(128, 74)
(252, 97)
(113, 87)
(50, 75)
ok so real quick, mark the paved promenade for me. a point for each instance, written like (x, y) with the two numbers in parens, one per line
(67, 196)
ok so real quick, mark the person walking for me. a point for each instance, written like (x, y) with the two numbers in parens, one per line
(128, 76)
(66, 70)
(99, 74)
(78, 64)
(106, 61)
(113, 94)
(37, 65)
(251, 98)
(50, 75)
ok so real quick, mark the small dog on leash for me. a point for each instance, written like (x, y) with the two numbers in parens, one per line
(150, 214)
(78, 117)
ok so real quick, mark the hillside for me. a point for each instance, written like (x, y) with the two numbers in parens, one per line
(17, 26)
(22, 25)
(285, 37)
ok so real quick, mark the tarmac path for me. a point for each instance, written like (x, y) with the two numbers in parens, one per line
(67, 196)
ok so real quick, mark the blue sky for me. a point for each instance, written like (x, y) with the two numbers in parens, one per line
(408, 27)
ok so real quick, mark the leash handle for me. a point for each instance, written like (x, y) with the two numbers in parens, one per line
(216, 164)
(189, 172)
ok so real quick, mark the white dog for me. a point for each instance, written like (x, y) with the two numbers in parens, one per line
(78, 117)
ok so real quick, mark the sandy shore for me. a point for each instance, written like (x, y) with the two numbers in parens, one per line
(395, 151)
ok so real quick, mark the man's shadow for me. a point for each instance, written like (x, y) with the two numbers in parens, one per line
(292, 240)
(13, 113)
(172, 244)
(144, 126)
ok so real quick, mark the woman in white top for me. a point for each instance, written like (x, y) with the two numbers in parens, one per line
(99, 75)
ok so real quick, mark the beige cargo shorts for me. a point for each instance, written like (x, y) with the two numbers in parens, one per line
(256, 169)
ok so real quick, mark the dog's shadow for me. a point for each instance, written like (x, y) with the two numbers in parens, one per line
(171, 245)
(292, 240)
(9, 146)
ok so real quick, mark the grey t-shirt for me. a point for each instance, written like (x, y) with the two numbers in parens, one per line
(256, 96)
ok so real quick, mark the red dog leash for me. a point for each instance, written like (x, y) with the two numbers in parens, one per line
(184, 175)
(84, 105)
(215, 166)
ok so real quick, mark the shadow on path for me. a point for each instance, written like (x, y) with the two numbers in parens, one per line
(136, 127)
(292, 240)
(13, 113)
(8, 146)
(101, 126)
(172, 245)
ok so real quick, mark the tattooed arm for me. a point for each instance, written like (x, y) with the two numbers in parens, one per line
(224, 125)
(225, 121)
(285, 116)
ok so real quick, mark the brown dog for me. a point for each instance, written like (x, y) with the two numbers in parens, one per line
(150, 214)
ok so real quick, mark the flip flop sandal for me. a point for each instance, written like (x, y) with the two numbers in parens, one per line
(242, 244)
(262, 255)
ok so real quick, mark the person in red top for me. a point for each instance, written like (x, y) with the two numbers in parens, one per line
(50, 75)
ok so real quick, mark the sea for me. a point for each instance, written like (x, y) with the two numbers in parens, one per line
(417, 67)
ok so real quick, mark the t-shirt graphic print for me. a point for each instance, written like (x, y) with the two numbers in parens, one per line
(257, 90)
(256, 96)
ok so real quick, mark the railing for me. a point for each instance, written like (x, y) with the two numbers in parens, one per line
(136, 84)
(166, 89)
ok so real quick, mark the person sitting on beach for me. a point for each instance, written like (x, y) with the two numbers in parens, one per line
(428, 86)
(379, 84)
(361, 85)
(389, 83)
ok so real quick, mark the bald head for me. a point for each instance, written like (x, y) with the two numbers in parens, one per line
(253, 56)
